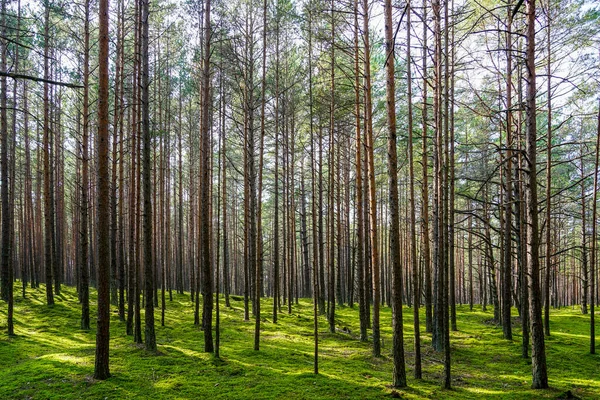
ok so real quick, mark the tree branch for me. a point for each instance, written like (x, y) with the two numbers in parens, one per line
(36, 79)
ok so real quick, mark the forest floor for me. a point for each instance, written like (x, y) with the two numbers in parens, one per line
(51, 358)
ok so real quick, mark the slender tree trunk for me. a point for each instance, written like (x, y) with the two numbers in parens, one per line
(101, 370)
(538, 351)
(6, 264)
(399, 373)
(48, 216)
(276, 246)
(315, 253)
(332, 169)
(451, 235)
(360, 264)
(438, 250)
(594, 242)
(425, 186)
(548, 184)
(121, 199)
(150, 335)
(507, 256)
(258, 282)
(84, 284)
(207, 281)
(114, 260)
(371, 183)
(413, 211)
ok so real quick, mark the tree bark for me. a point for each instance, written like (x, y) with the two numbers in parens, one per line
(413, 211)
(101, 370)
(538, 351)
(399, 373)
(207, 278)
(48, 216)
(150, 335)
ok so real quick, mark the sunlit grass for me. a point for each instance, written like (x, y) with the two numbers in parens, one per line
(51, 358)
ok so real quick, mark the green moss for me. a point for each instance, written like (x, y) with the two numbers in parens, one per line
(51, 358)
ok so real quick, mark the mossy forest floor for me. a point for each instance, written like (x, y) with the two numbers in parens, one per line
(51, 358)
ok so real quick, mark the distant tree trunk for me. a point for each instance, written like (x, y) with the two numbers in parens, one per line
(322, 288)
(399, 373)
(304, 236)
(30, 231)
(594, 243)
(101, 370)
(585, 284)
(538, 351)
(470, 256)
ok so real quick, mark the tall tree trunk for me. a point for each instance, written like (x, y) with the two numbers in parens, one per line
(594, 242)
(360, 264)
(448, 214)
(413, 211)
(121, 199)
(258, 283)
(438, 249)
(101, 370)
(538, 350)
(521, 229)
(425, 186)
(399, 373)
(7, 214)
(84, 274)
(150, 335)
(548, 185)
(371, 182)
(207, 282)
(48, 216)
(315, 252)
(276, 256)
(507, 256)
(114, 260)
(331, 219)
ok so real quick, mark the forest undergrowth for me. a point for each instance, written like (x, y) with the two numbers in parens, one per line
(51, 358)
